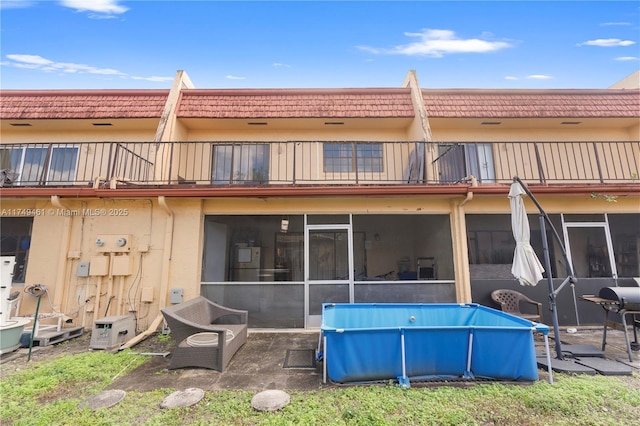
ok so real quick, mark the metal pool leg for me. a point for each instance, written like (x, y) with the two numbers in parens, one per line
(404, 380)
(324, 360)
(546, 349)
(469, 352)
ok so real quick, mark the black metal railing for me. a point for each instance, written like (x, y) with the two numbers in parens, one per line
(318, 163)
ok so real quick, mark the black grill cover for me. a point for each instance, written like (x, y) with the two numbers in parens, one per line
(627, 297)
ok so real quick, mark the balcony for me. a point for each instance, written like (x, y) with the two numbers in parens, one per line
(300, 163)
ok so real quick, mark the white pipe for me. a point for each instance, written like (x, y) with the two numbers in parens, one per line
(66, 240)
(474, 184)
(96, 181)
(121, 310)
(109, 284)
(96, 302)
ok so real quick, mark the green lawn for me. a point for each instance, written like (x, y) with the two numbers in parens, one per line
(50, 393)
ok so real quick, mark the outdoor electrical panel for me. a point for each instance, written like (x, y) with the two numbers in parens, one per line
(121, 265)
(99, 266)
(83, 269)
(176, 295)
(146, 295)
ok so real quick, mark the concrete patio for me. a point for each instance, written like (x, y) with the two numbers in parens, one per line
(260, 363)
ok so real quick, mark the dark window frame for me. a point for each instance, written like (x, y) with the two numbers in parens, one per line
(360, 157)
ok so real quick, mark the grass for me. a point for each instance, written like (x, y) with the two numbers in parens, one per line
(50, 393)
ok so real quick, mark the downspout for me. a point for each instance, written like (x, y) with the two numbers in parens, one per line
(461, 250)
(168, 245)
(474, 184)
(62, 263)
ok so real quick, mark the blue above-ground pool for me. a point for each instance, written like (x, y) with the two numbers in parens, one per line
(373, 342)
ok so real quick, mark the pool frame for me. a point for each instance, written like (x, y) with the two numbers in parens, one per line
(370, 342)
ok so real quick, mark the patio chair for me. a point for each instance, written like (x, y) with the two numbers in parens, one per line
(207, 335)
(509, 301)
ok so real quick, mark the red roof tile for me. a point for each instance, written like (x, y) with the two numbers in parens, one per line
(469, 103)
(81, 104)
(320, 103)
(296, 103)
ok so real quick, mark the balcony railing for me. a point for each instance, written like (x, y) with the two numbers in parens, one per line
(318, 163)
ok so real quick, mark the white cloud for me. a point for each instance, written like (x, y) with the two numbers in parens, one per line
(539, 77)
(30, 59)
(510, 77)
(437, 43)
(15, 4)
(153, 78)
(607, 42)
(627, 58)
(234, 77)
(280, 65)
(608, 24)
(44, 64)
(36, 62)
(101, 6)
(98, 16)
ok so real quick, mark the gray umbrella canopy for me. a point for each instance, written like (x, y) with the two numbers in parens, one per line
(526, 265)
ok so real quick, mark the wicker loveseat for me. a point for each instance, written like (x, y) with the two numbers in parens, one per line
(207, 335)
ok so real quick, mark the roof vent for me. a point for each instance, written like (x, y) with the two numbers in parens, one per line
(102, 124)
(571, 122)
(257, 123)
(334, 123)
(21, 124)
(491, 123)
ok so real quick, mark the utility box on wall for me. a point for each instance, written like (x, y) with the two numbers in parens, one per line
(99, 266)
(121, 265)
(83, 269)
(176, 295)
(111, 332)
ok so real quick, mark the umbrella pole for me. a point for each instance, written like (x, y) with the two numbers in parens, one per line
(552, 293)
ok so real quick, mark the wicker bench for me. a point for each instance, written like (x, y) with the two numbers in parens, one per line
(207, 335)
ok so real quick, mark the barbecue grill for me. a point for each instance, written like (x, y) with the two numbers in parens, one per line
(626, 298)
(622, 301)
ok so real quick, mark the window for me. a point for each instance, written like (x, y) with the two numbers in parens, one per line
(246, 163)
(457, 161)
(40, 164)
(16, 241)
(349, 157)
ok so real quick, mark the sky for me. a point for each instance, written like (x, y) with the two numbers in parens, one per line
(120, 44)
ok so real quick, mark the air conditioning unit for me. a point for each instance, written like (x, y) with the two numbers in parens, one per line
(111, 332)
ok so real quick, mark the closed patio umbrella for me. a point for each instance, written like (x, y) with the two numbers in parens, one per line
(518, 188)
(526, 265)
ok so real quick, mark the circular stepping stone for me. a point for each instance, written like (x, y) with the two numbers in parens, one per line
(185, 398)
(104, 399)
(270, 400)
